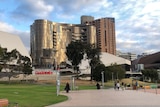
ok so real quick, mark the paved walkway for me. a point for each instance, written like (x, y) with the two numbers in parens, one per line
(110, 98)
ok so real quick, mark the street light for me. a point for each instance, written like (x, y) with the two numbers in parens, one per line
(57, 72)
(112, 76)
(58, 81)
(102, 79)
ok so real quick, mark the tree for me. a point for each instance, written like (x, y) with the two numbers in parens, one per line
(26, 65)
(97, 72)
(14, 63)
(8, 60)
(117, 71)
(75, 52)
(150, 74)
(93, 55)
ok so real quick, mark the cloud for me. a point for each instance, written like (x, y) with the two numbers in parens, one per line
(24, 35)
(32, 9)
(137, 22)
(6, 27)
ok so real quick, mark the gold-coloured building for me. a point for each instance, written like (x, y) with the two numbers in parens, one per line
(49, 40)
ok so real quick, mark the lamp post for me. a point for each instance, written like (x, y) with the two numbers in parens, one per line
(112, 76)
(57, 72)
(102, 79)
(58, 81)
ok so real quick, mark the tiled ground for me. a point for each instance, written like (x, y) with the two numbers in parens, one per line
(110, 98)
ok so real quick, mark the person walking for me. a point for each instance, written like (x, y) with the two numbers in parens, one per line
(67, 87)
(98, 86)
(115, 84)
(136, 85)
(122, 86)
(118, 85)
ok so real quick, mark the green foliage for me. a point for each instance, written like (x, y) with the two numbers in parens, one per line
(116, 71)
(150, 74)
(93, 54)
(75, 52)
(97, 76)
(21, 63)
(27, 67)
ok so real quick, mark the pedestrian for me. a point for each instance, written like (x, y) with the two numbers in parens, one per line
(136, 84)
(115, 84)
(98, 86)
(67, 87)
(122, 86)
(118, 85)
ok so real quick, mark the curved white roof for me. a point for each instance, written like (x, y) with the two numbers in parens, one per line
(11, 42)
(108, 59)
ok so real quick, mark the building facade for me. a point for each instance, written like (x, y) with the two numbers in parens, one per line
(105, 32)
(130, 56)
(49, 41)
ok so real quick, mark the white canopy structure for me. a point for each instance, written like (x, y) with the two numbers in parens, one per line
(107, 59)
(11, 42)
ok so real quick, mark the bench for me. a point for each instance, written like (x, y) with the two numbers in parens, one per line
(4, 103)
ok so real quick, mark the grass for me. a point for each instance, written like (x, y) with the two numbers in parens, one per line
(37, 95)
(43, 94)
(27, 95)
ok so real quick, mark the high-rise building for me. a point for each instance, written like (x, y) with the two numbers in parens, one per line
(87, 20)
(84, 33)
(41, 42)
(49, 40)
(105, 32)
(105, 28)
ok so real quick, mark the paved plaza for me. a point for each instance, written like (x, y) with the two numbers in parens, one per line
(110, 98)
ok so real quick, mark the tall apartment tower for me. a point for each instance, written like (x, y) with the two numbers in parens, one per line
(105, 28)
(105, 32)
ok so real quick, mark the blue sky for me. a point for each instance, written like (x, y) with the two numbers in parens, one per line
(137, 21)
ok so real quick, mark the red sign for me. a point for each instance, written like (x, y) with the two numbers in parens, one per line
(43, 72)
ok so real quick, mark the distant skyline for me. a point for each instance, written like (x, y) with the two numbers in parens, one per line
(137, 22)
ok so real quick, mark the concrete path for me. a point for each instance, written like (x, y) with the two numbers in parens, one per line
(110, 98)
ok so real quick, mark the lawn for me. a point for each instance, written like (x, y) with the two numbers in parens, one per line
(37, 95)
(40, 95)
(29, 95)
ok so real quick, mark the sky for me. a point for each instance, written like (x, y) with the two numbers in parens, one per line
(137, 21)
